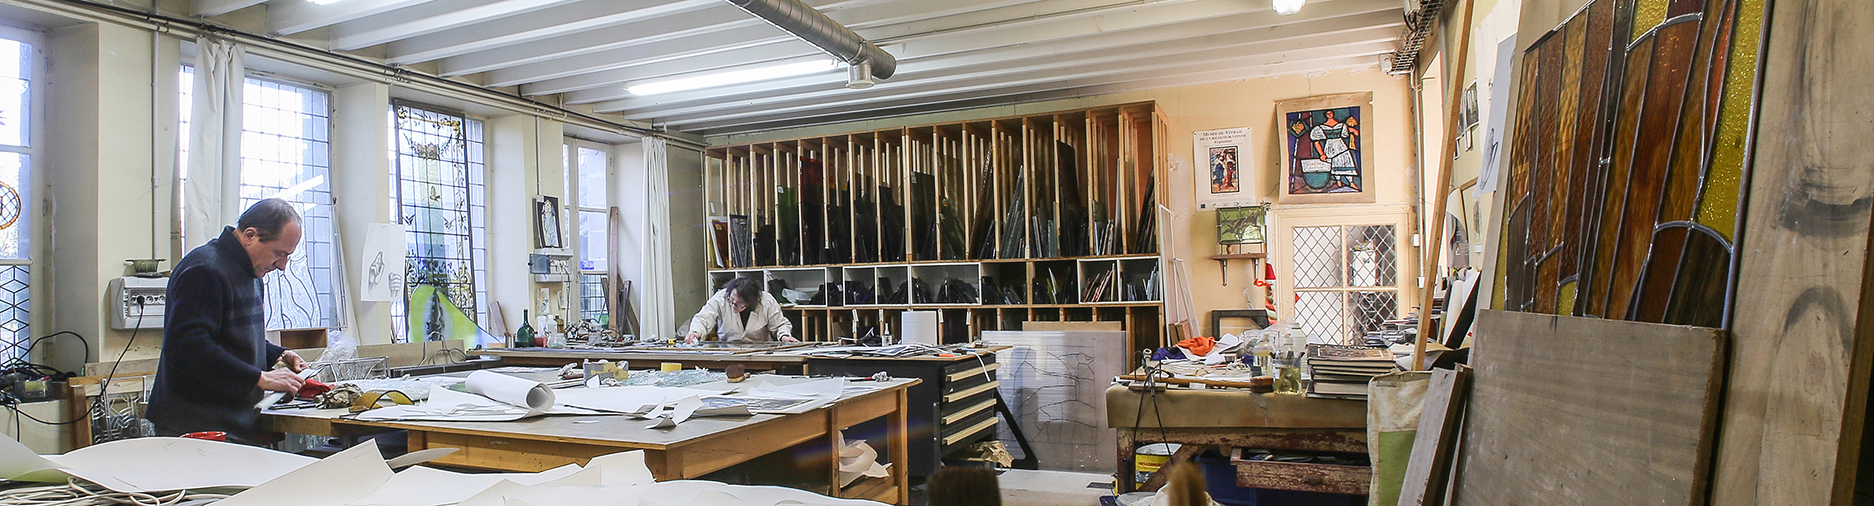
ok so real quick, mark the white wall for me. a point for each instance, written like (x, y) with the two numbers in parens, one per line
(361, 193)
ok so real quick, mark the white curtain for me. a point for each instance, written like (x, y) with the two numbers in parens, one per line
(659, 316)
(213, 191)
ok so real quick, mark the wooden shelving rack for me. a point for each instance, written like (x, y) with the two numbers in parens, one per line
(1047, 217)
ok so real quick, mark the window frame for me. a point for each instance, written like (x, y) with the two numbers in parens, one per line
(33, 174)
(1344, 286)
(574, 207)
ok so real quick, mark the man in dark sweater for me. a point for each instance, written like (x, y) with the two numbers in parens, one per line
(216, 359)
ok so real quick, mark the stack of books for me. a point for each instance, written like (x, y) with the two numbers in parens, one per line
(1342, 372)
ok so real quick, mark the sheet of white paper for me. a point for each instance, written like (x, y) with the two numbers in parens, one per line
(511, 390)
(423, 486)
(384, 262)
(19, 463)
(622, 469)
(822, 391)
(343, 477)
(583, 488)
(170, 463)
(631, 399)
(449, 405)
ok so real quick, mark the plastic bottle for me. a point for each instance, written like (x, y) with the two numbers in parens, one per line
(524, 338)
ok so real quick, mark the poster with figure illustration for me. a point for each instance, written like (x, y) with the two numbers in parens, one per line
(1221, 156)
(1324, 149)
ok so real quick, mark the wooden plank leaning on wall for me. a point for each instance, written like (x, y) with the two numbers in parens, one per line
(1804, 323)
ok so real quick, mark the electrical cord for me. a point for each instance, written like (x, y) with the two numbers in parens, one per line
(76, 492)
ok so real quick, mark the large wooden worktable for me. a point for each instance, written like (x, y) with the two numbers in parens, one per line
(692, 449)
(1227, 419)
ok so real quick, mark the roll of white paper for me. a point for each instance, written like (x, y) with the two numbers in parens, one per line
(920, 327)
(511, 390)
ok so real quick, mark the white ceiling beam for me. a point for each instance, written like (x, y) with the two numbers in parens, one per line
(1201, 74)
(610, 45)
(1217, 32)
(1015, 71)
(1049, 77)
(294, 16)
(212, 8)
(426, 19)
(660, 51)
(947, 40)
(620, 55)
(928, 107)
(515, 30)
(699, 27)
(759, 54)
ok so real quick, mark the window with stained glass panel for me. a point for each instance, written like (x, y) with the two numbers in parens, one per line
(16, 155)
(438, 173)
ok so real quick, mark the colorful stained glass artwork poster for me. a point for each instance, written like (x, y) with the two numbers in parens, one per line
(1221, 177)
(1225, 177)
(1324, 151)
(1324, 156)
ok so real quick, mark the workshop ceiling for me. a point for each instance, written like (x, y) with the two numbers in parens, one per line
(952, 54)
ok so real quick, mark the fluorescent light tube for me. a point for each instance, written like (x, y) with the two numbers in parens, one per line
(1286, 7)
(733, 77)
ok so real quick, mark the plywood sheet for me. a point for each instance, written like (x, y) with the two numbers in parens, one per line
(1569, 411)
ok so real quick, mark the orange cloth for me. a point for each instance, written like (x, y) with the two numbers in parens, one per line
(1199, 345)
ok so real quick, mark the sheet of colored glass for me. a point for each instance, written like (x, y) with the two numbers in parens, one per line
(1698, 296)
(1614, 196)
(1568, 110)
(1587, 171)
(1565, 298)
(1659, 120)
(1717, 206)
(1647, 14)
(1549, 76)
(1662, 265)
(1688, 149)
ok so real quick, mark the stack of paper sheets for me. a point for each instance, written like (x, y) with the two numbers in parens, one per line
(360, 477)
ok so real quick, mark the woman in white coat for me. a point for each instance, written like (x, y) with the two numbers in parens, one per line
(741, 311)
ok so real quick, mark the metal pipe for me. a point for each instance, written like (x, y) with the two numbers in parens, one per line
(810, 25)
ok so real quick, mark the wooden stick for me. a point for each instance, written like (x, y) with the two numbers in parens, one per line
(1437, 214)
(1183, 381)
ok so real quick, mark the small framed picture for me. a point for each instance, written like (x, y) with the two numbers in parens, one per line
(1240, 225)
(547, 227)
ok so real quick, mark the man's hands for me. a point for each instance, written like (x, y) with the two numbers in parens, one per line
(293, 361)
(789, 339)
(281, 380)
(694, 335)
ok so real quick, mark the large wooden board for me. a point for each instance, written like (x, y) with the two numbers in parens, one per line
(1796, 400)
(1571, 411)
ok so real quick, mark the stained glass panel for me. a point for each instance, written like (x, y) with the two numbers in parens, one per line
(15, 311)
(439, 202)
(15, 224)
(1321, 313)
(592, 296)
(15, 92)
(1659, 119)
(1615, 190)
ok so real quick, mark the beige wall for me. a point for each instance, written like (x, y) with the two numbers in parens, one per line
(1251, 103)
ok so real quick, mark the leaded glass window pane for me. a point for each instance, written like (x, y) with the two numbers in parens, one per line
(439, 199)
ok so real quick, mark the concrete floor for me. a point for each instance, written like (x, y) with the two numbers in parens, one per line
(1052, 488)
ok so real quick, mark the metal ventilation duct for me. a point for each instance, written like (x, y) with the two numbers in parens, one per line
(810, 25)
(1419, 26)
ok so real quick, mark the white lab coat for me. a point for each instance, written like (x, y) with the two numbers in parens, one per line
(766, 323)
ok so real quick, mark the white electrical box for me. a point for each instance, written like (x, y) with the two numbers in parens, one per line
(138, 303)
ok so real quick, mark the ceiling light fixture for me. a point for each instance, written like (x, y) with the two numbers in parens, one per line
(323, 2)
(733, 77)
(1287, 7)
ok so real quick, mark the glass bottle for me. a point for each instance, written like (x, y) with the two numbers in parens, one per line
(524, 338)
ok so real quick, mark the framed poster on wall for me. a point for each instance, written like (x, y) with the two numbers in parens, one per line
(1220, 156)
(1324, 155)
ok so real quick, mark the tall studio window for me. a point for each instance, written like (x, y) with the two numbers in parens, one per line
(586, 167)
(438, 174)
(1346, 280)
(17, 104)
(285, 150)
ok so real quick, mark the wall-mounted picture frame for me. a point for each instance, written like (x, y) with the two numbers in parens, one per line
(1241, 225)
(1325, 159)
(1222, 166)
(547, 222)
